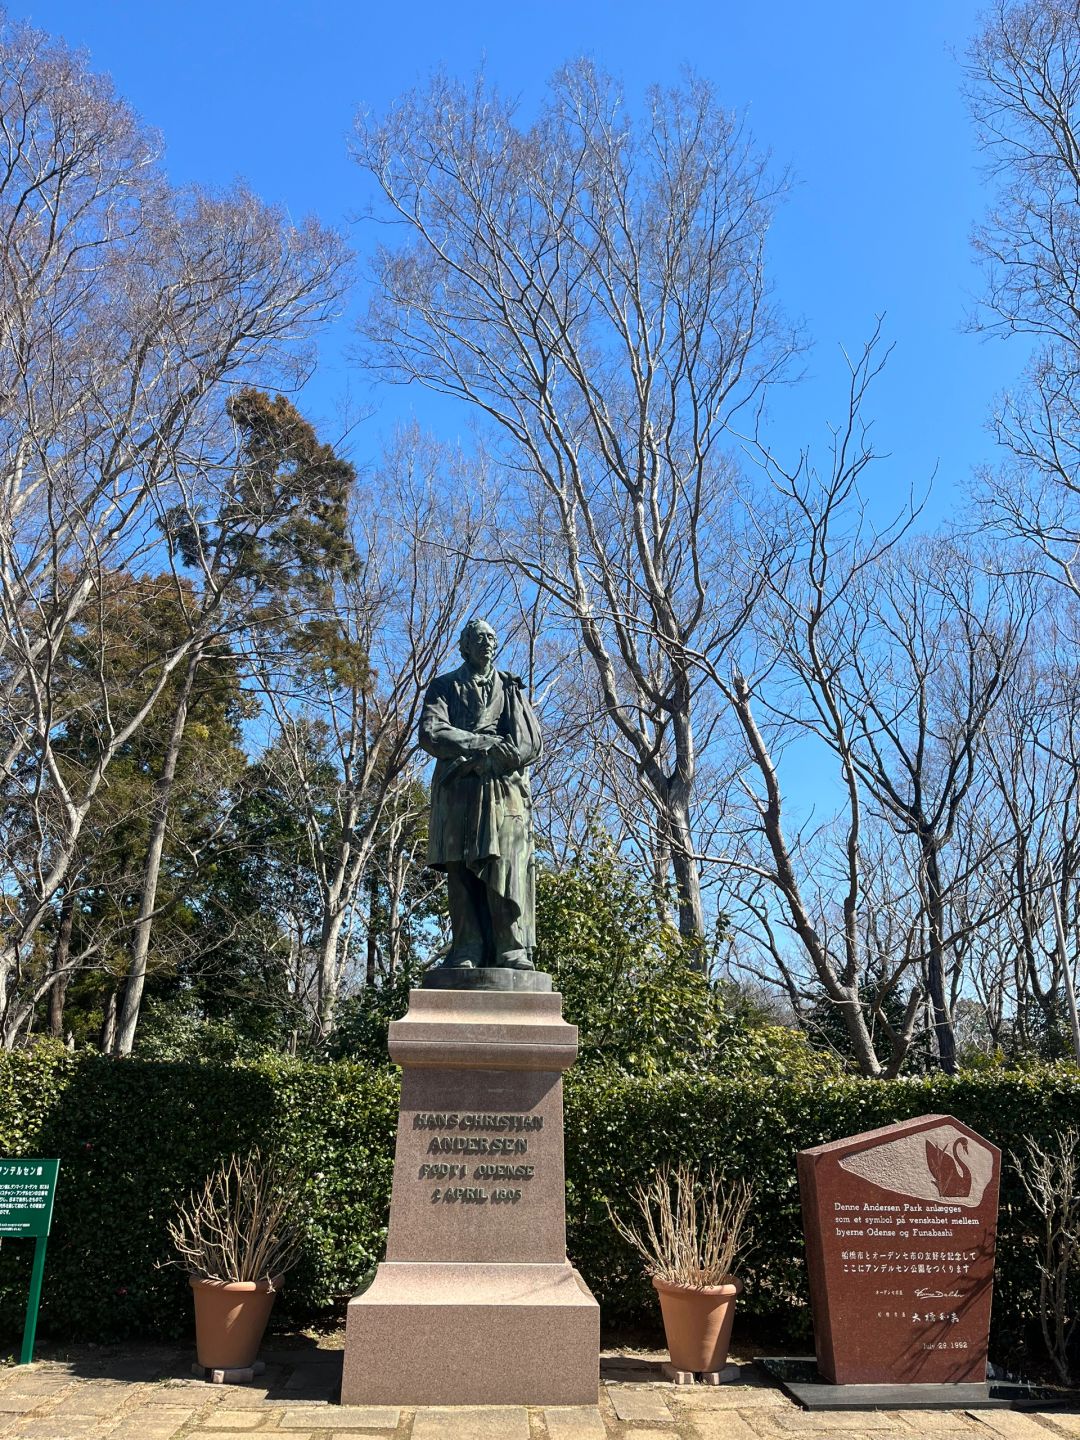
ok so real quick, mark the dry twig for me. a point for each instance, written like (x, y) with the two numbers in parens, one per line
(694, 1229)
(1051, 1179)
(242, 1224)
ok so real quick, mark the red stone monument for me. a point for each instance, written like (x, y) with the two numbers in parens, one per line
(900, 1227)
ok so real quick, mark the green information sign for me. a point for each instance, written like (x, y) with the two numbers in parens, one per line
(27, 1191)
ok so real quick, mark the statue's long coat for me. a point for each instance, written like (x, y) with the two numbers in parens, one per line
(485, 823)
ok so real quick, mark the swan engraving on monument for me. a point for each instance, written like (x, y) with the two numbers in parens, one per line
(939, 1165)
(949, 1173)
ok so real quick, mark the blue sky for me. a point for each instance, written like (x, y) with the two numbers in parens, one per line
(862, 101)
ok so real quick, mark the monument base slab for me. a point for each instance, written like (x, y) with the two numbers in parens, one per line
(472, 1334)
(801, 1381)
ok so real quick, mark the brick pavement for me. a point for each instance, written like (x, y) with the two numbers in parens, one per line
(118, 1395)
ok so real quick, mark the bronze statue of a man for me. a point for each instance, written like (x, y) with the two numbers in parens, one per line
(479, 725)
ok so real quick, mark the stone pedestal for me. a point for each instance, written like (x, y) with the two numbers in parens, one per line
(476, 1302)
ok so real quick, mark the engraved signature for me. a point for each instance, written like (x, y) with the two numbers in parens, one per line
(937, 1294)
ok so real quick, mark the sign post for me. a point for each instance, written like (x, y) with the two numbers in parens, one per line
(27, 1192)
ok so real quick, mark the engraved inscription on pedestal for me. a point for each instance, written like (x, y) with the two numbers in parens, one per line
(900, 1228)
(479, 1169)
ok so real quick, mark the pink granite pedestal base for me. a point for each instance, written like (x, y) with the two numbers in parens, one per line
(476, 1302)
(472, 1335)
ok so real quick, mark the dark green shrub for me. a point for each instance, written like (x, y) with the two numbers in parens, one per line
(626, 976)
(363, 1020)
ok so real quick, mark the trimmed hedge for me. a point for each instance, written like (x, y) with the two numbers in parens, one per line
(134, 1136)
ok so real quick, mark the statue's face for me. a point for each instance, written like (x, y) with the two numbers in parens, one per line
(479, 644)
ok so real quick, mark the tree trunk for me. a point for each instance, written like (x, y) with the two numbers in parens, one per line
(844, 994)
(329, 938)
(61, 956)
(108, 1025)
(684, 866)
(395, 938)
(136, 979)
(372, 938)
(935, 961)
(680, 788)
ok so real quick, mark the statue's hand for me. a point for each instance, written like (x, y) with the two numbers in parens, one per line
(502, 758)
(483, 741)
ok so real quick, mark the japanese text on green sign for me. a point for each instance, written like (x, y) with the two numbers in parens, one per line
(27, 1190)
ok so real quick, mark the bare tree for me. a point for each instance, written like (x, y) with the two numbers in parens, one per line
(887, 656)
(126, 308)
(1051, 1181)
(801, 884)
(346, 706)
(1023, 78)
(596, 290)
(941, 631)
(1030, 809)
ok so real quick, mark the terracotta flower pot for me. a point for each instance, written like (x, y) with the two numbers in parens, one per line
(230, 1320)
(697, 1323)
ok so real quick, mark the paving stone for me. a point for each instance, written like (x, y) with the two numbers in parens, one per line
(574, 1422)
(225, 1418)
(639, 1402)
(89, 1397)
(180, 1397)
(1068, 1423)
(858, 1421)
(341, 1417)
(648, 1434)
(353, 1434)
(931, 1430)
(732, 1397)
(237, 1397)
(59, 1427)
(139, 1429)
(18, 1402)
(720, 1425)
(32, 1381)
(472, 1422)
(940, 1422)
(221, 1434)
(131, 1369)
(156, 1423)
(1010, 1424)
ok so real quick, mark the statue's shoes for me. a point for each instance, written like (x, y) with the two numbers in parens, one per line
(515, 960)
(451, 964)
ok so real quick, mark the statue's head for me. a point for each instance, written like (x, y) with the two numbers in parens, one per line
(478, 642)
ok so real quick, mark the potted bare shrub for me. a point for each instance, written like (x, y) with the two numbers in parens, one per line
(236, 1237)
(693, 1229)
